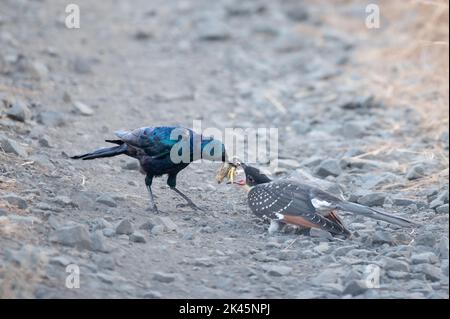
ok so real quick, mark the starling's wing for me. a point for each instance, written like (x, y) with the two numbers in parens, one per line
(290, 202)
(156, 141)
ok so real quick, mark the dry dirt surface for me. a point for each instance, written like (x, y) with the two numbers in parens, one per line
(230, 64)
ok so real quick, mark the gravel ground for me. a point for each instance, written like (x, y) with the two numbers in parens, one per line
(229, 64)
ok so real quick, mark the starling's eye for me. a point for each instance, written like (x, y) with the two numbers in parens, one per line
(251, 179)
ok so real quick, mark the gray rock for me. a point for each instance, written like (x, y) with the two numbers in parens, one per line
(426, 239)
(443, 209)
(355, 287)
(167, 223)
(72, 235)
(328, 167)
(38, 70)
(213, 30)
(441, 199)
(152, 294)
(164, 277)
(10, 146)
(147, 226)
(82, 66)
(2, 212)
(51, 119)
(157, 230)
(24, 219)
(431, 272)
(98, 242)
(106, 200)
(320, 233)
(124, 227)
(424, 258)
(415, 172)
(142, 35)
(382, 237)
(100, 223)
(443, 248)
(407, 202)
(131, 165)
(277, 270)
(18, 112)
(44, 142)
(15, 200)
(397, 274)
(373, 199)
(83, 109)
(137, 237)
(109, 232)
(394, 264)
(297, 13)
(64, 201)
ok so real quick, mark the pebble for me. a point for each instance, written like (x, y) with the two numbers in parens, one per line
(443, 248)
(328, 167)
(83, 108)
(277, 270)
(320, 233)
(164, 277)
(124, 227)
(15, 200)
(82, 65)
(443, 209)
(415, 172)
(373, 199)
(18, 112)
(51, 119)
(131, 165)
(382, 237)
(431, 272)
(152, 294)
(213, 30)
(98, 242)
(424, 258)
(72, 235)
(109, 232)
(106, 200)
(10, 146)
(355, 287)
(137, 237)
(167, 223)
(394, 264)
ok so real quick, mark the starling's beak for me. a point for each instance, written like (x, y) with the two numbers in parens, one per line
(228, 171)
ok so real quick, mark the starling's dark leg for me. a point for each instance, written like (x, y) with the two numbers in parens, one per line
(148, 183)
(172, 182)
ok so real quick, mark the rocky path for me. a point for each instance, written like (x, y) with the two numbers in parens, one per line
(229, 64)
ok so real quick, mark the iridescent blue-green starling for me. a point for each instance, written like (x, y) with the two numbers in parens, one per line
(164, 150)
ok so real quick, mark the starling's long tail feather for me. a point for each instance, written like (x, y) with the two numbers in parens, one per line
(103, 152)
(376, 214)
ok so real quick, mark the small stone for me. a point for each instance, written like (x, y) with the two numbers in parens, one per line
(60, 260)
(152, 294)
(124, 227)
(142, 35)
(431, 272)
(39, 70)
(355, 287)
(415, 172)
(372, 199)
(18, 112)
(82, 65)
(443, 248)
(443, 209)
(51, 119)
(213, 30)
(394, 264)
(397, 274)
(15, 200)
(72, 235)
(424, 258)
(157, 230)
(132, 165)
(64, 201)
(10, 146)
(100, 223)
(83, 109)
(98, 242)
(382, 237)
(108, 232)
(320, 233)
(426, 239)
(147, 226)
(106, 200)
(297, 13)
(167, 223)
(137, 237)
(278, 270)
(328, 167)
(164, 277)
(43, 141)
(407, 202)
